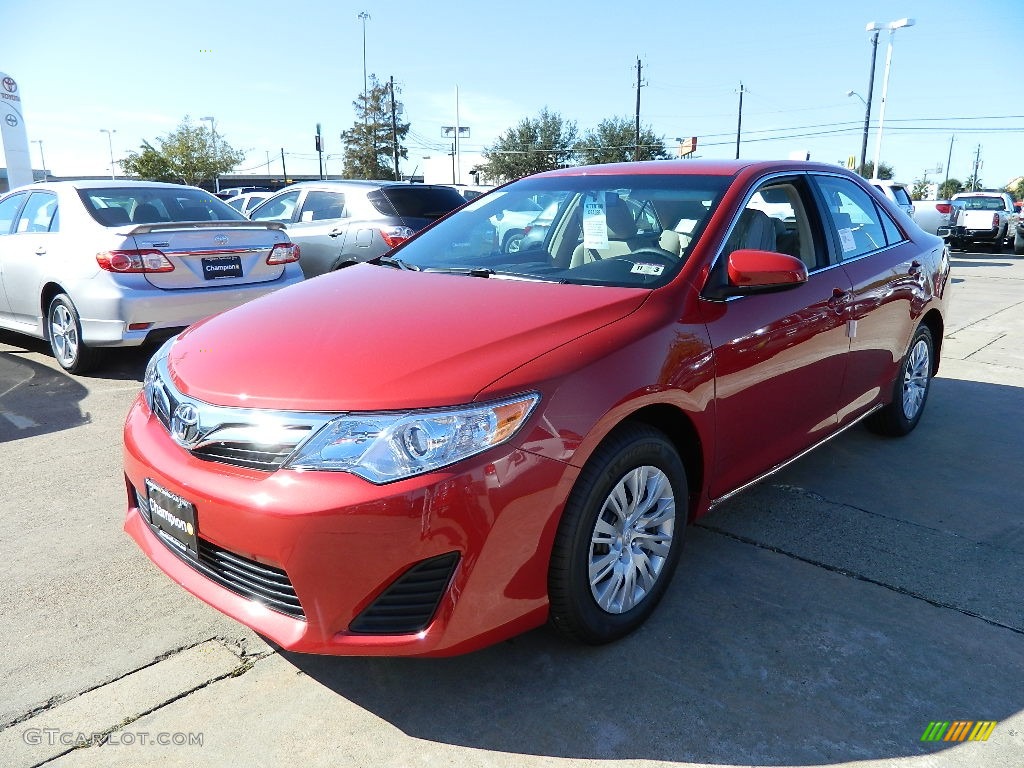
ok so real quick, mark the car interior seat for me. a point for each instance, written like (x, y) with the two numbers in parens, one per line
(622, 237)
(754, 230)
(113, 216)
(146, 213)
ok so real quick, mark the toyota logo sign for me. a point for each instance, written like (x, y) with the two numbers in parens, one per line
(9, 85)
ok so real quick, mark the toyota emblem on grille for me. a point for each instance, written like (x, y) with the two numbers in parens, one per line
(185, 424)
(221, 240)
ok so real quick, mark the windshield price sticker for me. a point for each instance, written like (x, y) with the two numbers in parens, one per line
(595, 225)
(647, 269)
(846, 238)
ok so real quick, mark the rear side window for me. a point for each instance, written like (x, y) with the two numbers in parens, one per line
(854, 219)
(901, 196)
(8, 208)
(155, 205)
(38, 214)
(416, 202)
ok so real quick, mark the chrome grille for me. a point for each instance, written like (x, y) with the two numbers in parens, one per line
(243, 437)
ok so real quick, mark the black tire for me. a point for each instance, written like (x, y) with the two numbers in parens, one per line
(1018, 244)
(638, 543)
(910, 392)
(513, 241)
(64, 332)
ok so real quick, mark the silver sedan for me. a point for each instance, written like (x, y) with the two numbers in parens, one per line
(92, 264)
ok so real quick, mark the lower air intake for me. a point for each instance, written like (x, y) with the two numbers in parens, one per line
(409, 604)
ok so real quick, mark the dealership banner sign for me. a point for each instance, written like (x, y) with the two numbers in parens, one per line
(12, 130)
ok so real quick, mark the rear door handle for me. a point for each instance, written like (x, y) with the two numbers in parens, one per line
(840, 300)
(41, 251)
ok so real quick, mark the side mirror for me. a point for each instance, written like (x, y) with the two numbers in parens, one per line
(751, 271)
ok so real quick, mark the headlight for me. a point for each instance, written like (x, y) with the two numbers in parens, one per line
(384, 447)
(151, 381)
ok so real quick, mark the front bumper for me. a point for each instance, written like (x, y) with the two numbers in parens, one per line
(342, 542)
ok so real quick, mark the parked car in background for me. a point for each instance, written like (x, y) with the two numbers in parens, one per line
(930, 215)
(92, 264)
(340, 222)
(1018, 238)
(453, 444)
(987, 219)
(897, 192)
(227, 194)
(245, 202)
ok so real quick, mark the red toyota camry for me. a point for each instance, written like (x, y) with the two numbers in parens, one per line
(456, 442)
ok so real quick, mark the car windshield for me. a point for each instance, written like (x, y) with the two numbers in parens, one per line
(614, 230)
(114, 206)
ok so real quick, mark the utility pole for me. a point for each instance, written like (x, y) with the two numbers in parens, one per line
(639, 82)
(739, 122)
(284, 172)
(394, 129)
(977, 162)
(949, 158)
(320, 150)
(867, 107)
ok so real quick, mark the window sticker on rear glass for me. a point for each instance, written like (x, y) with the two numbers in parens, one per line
(846, 238)
(647, 269)
(595, 225)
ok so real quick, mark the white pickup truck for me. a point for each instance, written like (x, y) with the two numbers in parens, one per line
(982, 218)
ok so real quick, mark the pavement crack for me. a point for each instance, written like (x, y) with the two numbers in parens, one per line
(857, 576)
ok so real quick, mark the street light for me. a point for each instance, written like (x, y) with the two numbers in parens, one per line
(892, 26)
(213, 137)
(110, 145)
(363, 16)
(41, 156)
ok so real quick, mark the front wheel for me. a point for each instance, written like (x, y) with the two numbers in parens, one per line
(620, 537)
(64, 332)
(900, 416)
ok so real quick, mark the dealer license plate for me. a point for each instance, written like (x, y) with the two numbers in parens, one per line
(222, 266)
(174, 519)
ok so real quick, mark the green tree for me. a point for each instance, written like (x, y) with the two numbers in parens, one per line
(1016, 188)
(867, 170)
(187, 155)
(973, 183)
(534, 145)
(614, 141)
(369, 146)
(949, 187)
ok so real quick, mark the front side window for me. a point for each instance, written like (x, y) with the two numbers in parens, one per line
(597, 229)
(320, 206)
(8, 209)
(853, 219)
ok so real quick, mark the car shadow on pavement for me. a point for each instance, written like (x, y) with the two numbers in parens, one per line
(24, 383)
(115, 364)
(763, 653)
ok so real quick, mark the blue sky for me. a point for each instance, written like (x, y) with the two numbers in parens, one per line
(269, 71)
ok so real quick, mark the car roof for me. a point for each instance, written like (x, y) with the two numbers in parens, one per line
(689, 168)
(104, 183)
(366, 183)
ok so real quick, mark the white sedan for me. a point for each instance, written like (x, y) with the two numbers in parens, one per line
(92, 264)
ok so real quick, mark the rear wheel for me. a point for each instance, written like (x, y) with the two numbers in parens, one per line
(64, 332)
(1018, 244)
(513, 241)
(900, 416)
(620, 537)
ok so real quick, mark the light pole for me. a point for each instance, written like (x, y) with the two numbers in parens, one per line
(363, 16)
(213, 140)
(41, 157)
(892, 26)
(110, 145)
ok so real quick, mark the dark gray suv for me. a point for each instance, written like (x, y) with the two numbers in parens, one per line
(338, 222)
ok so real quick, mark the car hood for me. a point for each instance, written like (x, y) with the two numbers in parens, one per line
(377, 338)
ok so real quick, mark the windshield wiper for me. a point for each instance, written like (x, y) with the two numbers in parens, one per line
(391, 261)
(490, 273)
